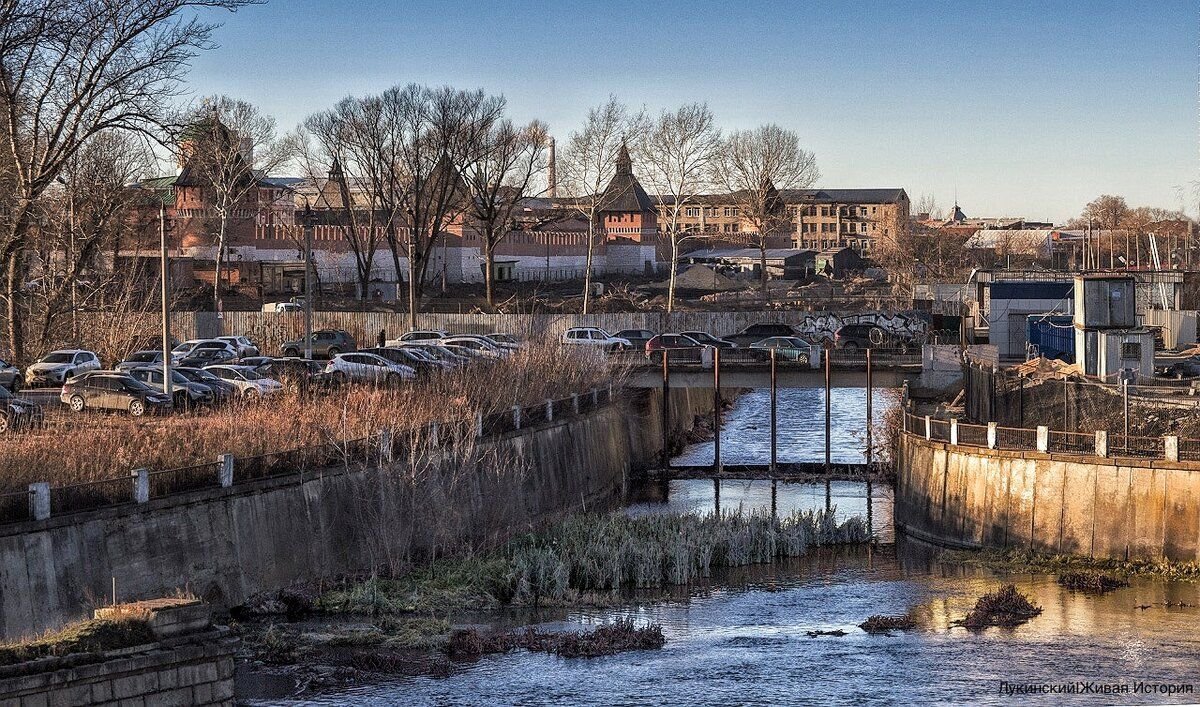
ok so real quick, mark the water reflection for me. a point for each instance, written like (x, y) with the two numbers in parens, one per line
(699, 496)
(746, 431)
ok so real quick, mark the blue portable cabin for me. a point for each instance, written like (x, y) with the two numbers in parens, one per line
(1052, 336)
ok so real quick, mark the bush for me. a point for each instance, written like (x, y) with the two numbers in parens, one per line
(1091, 581)
(1005, 607)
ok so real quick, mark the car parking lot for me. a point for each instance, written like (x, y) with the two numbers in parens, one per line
(75, 384)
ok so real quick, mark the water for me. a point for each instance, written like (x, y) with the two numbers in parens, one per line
(746, 643)
(742, 639)
(800, 437)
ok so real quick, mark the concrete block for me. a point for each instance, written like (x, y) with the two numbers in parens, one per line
(1043, 438)
(133, 702)
(178, 697)
(516, 413)
(550, 411)
(168, 678)
(102, 691)
(225, 470)
(134, 685)
(991, 435)
(928, 428)
(1181, 522)
(39, 500)
(197, 673)
(71, 695)
(223, 689)
(954, 431)
(479, 424)
(1101, 443)
(40, 699)
(1171, 448)
(202, 694)
(574, 404)
(385, 446)
(225, 668)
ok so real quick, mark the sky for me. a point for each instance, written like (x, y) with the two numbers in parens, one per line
(1017, 108)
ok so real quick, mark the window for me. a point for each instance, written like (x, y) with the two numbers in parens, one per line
(1131, 350)
(691, 211)
(824, 210)
(735, 228)
(731, 211)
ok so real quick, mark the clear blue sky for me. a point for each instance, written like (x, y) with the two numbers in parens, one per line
(1024, 108)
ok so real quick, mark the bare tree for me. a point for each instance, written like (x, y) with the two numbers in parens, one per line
(503, 176)
(753, 165)
(1107, 212)
(429, 137)
(228, 146)
(83, 220)
(70, 69)
(677, 158)
(927, 204)
(339, 145)
(588, 164)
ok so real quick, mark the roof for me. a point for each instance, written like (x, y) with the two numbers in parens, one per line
(745, 253)
(1027, 241)
(843, 196)
(624, 194)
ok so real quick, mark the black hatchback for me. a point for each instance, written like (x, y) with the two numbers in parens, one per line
(18, 414)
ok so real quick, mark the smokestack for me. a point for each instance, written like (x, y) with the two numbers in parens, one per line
(552, 173)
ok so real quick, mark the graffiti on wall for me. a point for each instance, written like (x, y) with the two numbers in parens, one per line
(821, 327)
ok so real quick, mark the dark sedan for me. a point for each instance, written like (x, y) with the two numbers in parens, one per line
(637, 337)
(18, 414)
(200, 358)
(676, 346)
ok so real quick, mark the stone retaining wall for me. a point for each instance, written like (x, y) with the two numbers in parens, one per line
(228, 545)
(1117, 508)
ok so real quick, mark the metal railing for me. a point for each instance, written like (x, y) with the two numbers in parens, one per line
(1042, 439)
(42, 500)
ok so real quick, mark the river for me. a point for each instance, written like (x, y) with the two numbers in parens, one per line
(743, 638)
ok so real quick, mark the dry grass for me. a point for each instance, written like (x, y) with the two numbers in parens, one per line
(96, 446)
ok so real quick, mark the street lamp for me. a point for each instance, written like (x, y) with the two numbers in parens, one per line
(307, 218)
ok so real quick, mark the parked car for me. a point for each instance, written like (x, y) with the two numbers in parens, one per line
(637, 338)
(501, 337)
(10, 377)
(326, 343)
(222, 390)
(441, 353)
(109, 390)
(206, 357)
(1183, 368)
(141, 359)
(479, 346)
(758, 332)
(195, 346)
(500, 345)
(368, 368)
(595, 337)
(411, 357)
(788, 348)
(658, 346)
(243, 346)
(299, 373)
(279, 307)
(17, 414)
(57, 366)
(422, 335)
(255, 362)
(854, 337)
(249, 383)
(709, 340)
(186, 393)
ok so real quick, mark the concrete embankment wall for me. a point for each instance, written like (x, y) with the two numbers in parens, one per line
(227, 545)
(1115, 508)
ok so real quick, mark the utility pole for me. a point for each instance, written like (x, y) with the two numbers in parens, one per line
(165, 285)
(308, 232)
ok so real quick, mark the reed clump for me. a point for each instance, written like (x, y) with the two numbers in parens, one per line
(621, 635)
(76, 448)
(1004, 607)
(886, 624)
(1091, 581)
(593, 555)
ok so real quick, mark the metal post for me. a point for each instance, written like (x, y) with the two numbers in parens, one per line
(717, 496)
(141, 485)
(666, 409)
(870, 421)
(39, 500)
(773, 496)
(308, 233)
(225, 470)
(1125, 403)
(870, 514)
(828, 426)
(717, 411)
(166, 304)
(774, 421)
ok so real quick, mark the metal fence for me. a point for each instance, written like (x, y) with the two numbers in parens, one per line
(1051, 441)
(41, 501)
